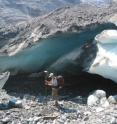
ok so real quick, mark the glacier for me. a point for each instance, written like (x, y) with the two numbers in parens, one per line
(105, 63)
(66, 41)
(66, 53)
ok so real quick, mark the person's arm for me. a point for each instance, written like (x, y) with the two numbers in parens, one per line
(48, 83)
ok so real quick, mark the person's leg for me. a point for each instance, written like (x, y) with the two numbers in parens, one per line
(55, 95)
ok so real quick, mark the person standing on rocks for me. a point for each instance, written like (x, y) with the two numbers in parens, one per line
(53, 83)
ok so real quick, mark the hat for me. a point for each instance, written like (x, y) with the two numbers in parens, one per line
(51, 74)
(46, 71)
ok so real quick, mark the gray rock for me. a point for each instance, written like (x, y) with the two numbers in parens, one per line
(36, 119)
(63, 117)
(56, 122)
(104, 102)
(39, 123)
(92, 100)
(112, 99)
(61, 121)
(87, 113)
(6, 120)
(30, 119)
(99, 109)
(113, 120)
(98, 98)
(100, 94)
(86, 118)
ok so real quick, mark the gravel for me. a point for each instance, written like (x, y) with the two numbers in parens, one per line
(38, 110)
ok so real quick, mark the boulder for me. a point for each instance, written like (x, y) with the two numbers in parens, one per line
(92, 100)
(100, 94)
(112, 99)
(104, 102)
(99, 109)
(97, 97)
(113, 120)
(5, 120)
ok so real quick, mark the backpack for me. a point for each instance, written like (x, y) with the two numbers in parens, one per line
(60, 81)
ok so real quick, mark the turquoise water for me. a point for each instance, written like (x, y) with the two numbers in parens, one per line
(45, 53)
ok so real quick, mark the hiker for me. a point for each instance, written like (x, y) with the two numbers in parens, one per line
(53, 83)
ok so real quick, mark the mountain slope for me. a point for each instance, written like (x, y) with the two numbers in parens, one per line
(68, 19)
(18, 11)
(13, 11)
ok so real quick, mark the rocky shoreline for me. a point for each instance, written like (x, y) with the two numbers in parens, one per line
(38, 109)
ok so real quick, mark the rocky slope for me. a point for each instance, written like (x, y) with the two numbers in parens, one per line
(16, 12)
(68, 19)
